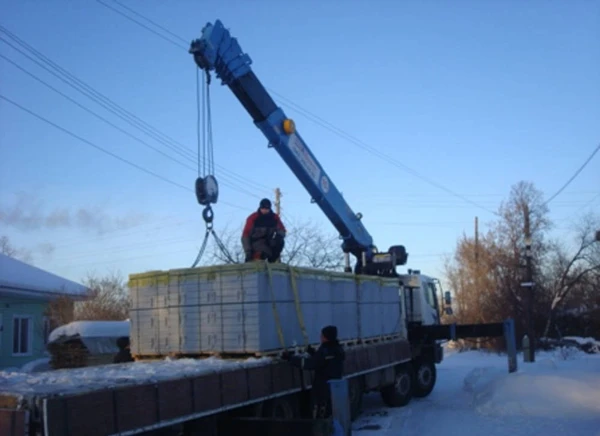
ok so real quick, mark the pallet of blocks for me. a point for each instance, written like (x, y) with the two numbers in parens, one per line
(256, 308)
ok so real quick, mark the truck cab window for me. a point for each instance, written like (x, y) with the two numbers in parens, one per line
(430, 294)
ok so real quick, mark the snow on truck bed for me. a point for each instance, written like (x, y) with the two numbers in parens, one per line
(68, 381)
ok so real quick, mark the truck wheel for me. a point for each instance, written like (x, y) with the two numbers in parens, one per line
(425, 378)
(400, 393)
(355, 388)
(282, 408)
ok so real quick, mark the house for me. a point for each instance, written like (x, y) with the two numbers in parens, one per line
(25, 293)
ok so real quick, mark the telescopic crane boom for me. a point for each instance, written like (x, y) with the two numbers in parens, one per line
(216, 50)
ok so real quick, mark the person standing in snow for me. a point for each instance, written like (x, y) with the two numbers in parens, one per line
(327, 362)
(124, 354)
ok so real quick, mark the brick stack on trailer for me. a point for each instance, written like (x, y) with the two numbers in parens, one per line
(257, 309)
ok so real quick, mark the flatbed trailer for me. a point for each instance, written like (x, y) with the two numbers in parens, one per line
(263, 388)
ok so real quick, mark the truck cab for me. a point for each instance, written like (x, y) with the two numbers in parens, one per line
(421, 296)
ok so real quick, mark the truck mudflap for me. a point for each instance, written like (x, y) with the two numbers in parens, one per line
(438, 353)
(141, 407)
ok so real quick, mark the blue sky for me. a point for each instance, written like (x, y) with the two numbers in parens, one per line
(474, 96)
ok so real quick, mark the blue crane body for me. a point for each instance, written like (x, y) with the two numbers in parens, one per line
(216, 50)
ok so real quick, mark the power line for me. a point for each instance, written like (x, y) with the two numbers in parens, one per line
(372, 150)
(315, 118)
(123, 248)
(574, 175)
(592, 200)
(116, 233)
(140, 24)
(108, 104)
(76, 243)
(24, 70)
(164, 29)
(166, 253)
(103, 150)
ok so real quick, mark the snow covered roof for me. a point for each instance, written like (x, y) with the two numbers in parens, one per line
(99, 337)
(21, 279)
(91, 329)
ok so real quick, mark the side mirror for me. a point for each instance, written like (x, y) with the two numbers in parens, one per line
(447, 298)
(448, 311)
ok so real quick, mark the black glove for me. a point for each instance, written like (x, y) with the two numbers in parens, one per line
(248, 256)
(310, 350)
(287, 355)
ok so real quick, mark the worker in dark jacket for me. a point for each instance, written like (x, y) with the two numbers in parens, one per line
(263, 236)
(327, 362)
(124, 354)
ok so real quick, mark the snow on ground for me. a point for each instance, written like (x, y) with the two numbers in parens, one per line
(105, 376)
(559, 394)
(592, 343)
(37, 365)
(92, 329)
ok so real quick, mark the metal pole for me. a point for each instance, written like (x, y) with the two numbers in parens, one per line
(511, 344)
(529, 284)
(530, 327)
(340, 407)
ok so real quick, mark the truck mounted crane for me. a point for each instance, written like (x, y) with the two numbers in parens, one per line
(216, 50)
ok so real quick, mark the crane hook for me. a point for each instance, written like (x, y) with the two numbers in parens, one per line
(208, 216)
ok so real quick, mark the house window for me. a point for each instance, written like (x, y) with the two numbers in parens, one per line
(22, 335)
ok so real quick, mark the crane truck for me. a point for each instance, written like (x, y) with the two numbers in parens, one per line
(400, 368)
(218, 51)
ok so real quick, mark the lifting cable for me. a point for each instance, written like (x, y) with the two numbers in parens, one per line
(207, 188)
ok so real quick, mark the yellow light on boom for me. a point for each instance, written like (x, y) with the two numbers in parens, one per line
(289, 126)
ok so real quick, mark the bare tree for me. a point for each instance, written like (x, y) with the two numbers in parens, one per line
(568, 270)
(486, 275)
(60, 311)
(524, 199)
(10, 250)
(475, 275)
(306, 244)
(109, 299)
(232, 243)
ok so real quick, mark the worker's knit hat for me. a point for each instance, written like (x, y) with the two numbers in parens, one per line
(330, 332)
(265, 203)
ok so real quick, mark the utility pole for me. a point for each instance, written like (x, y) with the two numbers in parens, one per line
(529, 285)
(477, 241)
(278, 201)
(478, 289)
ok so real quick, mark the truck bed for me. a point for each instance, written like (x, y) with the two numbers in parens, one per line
(136, 397)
